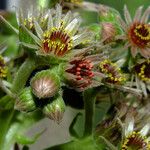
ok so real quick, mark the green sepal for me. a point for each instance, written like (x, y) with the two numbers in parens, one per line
(96, 29)
(24, 36)
(55, 109)
(110, 15)
(25, 101)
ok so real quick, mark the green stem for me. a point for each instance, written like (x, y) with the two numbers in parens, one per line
(5, 124)
(23, 74)
(89, 106)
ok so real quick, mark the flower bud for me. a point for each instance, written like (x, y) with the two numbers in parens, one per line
(55, 109)
(25, 101)
(108, 31)
(45, 84)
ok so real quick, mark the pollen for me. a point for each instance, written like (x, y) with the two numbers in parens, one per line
(28, 22)
(57, 41)
(113, 73)
(139, 35)
(135, 141)
(3, 69)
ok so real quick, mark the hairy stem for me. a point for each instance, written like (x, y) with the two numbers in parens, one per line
(89, 106)
(23, 74)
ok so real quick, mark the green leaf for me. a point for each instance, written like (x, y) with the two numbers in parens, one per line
(79, 144)
(11, 46)
(101, 110)
(6, 103)
(14, 125)
(110, 145)
(24, 140)
(72, 129)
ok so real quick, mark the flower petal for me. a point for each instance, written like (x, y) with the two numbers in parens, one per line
(58, 16)
(130, 126)
(32, 46)
(77, 39)
(145, 130)
(145, 53)
(146, 15)
(72, 26)
(134, 51)
(38, 30)
(138, 14)
(67, 18)
(127, 15)
(50, 21)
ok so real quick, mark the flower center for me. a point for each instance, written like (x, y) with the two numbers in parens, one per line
(82, 69)
(139, 34)
(112, 71)
(57, 41)
(143, 70)
(135, 141)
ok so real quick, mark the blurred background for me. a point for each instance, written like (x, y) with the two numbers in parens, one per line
(58, 133)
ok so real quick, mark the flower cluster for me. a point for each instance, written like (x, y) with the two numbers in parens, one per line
(106, 65)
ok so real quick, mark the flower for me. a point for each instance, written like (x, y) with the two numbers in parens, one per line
(108, 31)
(3, 68)
(55, 110)
(59, 37)
(137, 32)
(25, 100)
(80, 71)
(142, 76)
(112, 71)
(136, 139)
(143, 70)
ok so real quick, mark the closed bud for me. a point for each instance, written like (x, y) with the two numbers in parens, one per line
(25, 101)
(45, 84)
(55, 110)
(108, 31)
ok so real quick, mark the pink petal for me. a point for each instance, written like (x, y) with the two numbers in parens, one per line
(133, 51)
